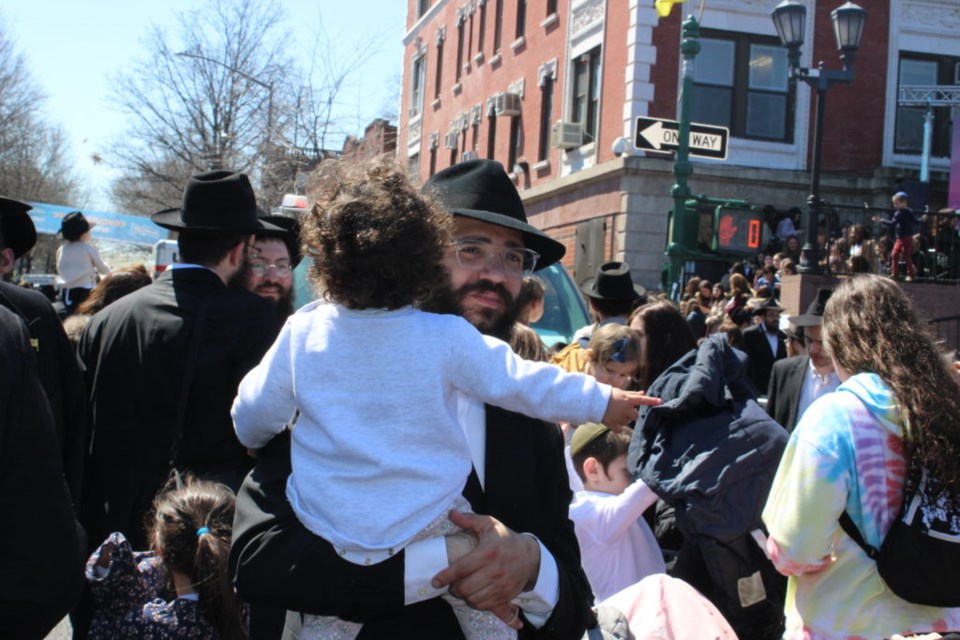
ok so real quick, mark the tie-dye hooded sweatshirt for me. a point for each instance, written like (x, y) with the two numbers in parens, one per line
(846, 453)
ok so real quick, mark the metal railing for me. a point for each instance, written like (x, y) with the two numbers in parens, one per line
(947, 330)
(936, 248)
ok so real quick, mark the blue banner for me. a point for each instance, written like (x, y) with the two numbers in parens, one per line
(111, 227)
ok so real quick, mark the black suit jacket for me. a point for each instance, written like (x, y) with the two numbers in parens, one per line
(136, 353)
(760, 358)
(783, 395)
(40, 541)
(60, 376)
(275, 560)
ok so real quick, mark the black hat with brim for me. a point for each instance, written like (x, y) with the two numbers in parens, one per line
(215, 201)
(613, 282)
(482, 190)
(814, 315)
(74, 225)
(289, 232)
(16, 225)
(768, 304)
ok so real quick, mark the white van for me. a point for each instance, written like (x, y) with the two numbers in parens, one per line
(165, 253)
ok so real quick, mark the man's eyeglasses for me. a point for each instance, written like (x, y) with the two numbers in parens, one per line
(477, 254)
(260, 269)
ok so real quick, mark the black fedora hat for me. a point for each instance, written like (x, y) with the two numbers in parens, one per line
(482, 190)
(814, 315)
(74, 225)
(289, 232)
(16, 226)
(767, 304)
(215, 201)
(613, 282)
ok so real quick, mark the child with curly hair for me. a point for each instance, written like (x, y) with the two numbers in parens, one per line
(190, 539)
(379, 456)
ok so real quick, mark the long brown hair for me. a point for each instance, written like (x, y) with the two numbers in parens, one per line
(669, 338)
(190, 531)
(115, 285)
(869, 326)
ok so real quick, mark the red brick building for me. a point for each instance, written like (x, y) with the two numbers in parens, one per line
(551, 88)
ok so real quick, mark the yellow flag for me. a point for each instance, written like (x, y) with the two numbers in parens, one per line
(663, 6)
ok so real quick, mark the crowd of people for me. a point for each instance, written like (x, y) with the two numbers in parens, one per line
(189, 457)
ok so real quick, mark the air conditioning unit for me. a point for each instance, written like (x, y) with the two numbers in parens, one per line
(507, 104)
(566, 135)
(476, 114)
(450, 140)
(470, 155)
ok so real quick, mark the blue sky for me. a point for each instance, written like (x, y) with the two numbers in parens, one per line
(73, 47)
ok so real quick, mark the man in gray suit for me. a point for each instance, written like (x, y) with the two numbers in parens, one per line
(796, 382)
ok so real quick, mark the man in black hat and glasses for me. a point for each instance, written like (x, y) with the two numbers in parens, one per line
(163, 363)
(764, 343)
(797, 381)
(523, 561)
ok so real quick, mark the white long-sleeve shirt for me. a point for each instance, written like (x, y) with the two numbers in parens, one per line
(78, 264)
(617, 547)
(378, 452)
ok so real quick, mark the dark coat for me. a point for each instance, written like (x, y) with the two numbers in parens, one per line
(783, 394)
(60, 376)
(136, 353)
(40, 546)
(711, 452)
(759, 357)
(275, 560)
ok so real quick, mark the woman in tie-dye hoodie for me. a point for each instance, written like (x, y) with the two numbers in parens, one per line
(851, 451)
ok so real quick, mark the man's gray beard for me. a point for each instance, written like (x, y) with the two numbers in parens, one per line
(497, 325)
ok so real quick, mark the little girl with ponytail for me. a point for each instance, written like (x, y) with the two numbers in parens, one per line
(179, 589)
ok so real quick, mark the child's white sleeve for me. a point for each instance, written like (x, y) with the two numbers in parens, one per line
(265, 401)
(614, 515)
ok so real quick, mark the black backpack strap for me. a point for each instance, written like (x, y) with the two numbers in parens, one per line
(847, 524)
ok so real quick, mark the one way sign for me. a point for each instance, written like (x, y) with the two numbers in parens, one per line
(658, 134)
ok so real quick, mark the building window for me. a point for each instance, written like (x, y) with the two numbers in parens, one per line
(521, 18)
(741, 81)
(433, 161)
(551, 7)
(516, 140)
(497, 26)
(586, 92)
(459, 69)
(469, 36)
(491, 137)
(413, 167)
(438, 80)
(917, 69)
(482, 27)
(422, 7)
(546, 117)
(417, 80)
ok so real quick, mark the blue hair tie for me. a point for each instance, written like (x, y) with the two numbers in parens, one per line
(202, 530)
(620, 355)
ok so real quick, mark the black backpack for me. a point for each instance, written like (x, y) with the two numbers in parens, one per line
(920, 557)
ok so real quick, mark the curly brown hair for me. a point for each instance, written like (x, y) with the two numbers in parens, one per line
(375, 241)
(869, 326)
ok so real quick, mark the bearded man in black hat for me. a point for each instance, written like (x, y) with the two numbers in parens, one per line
(57, 365)
(612, 296)
(163, 363)
(277, 255)
(796, 382)
(764, 343)
(521, 560)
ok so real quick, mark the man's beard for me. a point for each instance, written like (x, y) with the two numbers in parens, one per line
(242, 275)
(284, 303)
(498, 324)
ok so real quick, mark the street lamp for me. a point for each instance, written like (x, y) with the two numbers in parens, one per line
(266, 85)
(789, 18)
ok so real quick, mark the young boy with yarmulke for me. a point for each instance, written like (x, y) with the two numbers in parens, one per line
(617, 547)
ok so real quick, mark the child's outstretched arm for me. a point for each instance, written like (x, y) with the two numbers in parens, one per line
(622, 408)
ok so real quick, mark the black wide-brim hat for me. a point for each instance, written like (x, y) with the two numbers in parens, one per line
(289, 232)
(768, 304)
(613, 282)
(482, 190)
(16, 226)
(74, 225)
(814, 315)
(220, 201)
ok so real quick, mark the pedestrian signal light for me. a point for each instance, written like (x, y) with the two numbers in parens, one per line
(738, 230)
